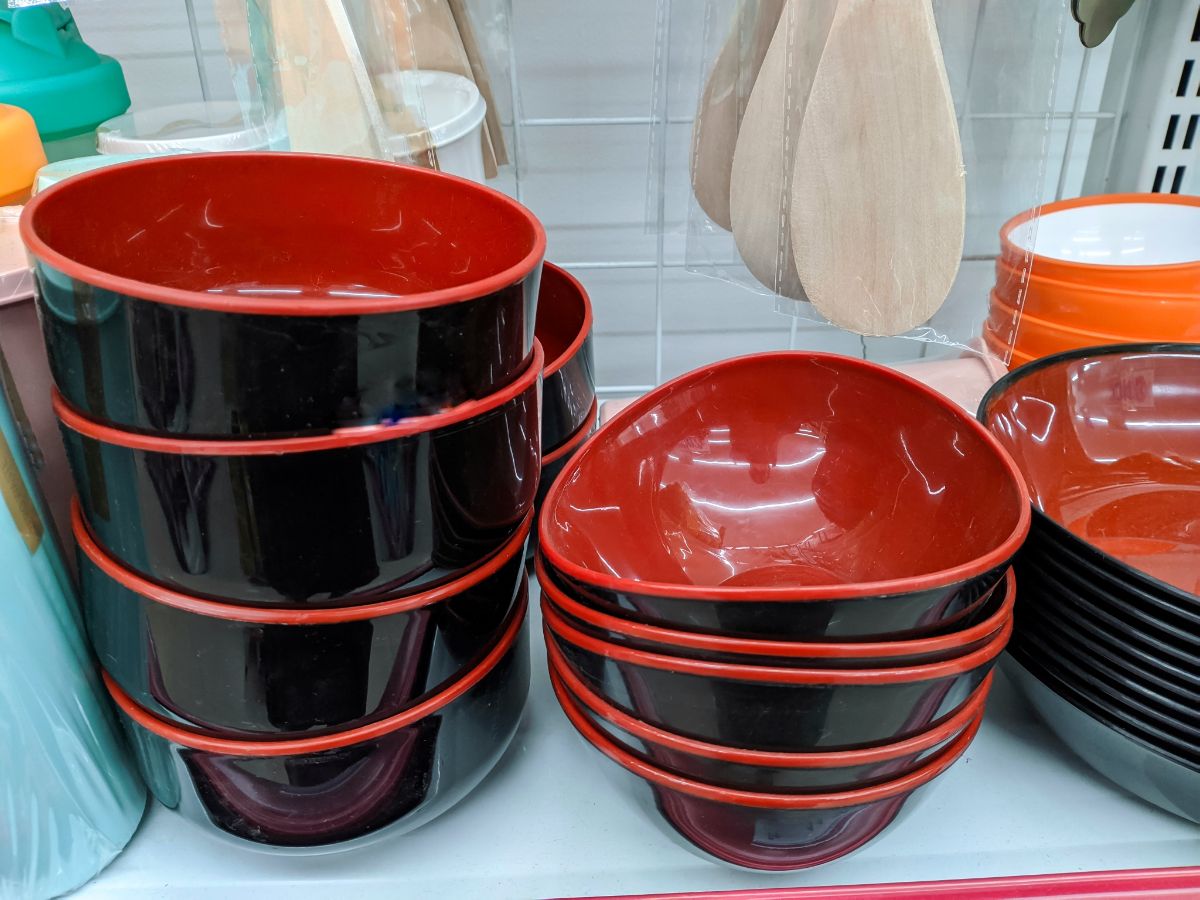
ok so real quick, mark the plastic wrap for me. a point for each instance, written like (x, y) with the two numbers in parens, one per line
(1001, 63)
(69, 799)
(420, 82)
(16, 279)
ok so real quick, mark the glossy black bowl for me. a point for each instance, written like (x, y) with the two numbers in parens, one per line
(345, 518)
(764, 830)
(1047, 585)
(553, 461)
(796, 654)
(772, 707)
(249, 672)
(757, 769)
(564, 329)
(346, 788)
(262, 295)
(1083, 641)
(1072, 558)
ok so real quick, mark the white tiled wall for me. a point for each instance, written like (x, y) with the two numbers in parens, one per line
(589, 183)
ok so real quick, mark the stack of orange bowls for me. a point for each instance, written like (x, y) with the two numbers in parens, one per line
(1108, 269)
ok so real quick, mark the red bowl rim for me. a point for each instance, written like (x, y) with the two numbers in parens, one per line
(274, 307)
(757, 799)
(913, 584)
(828, 759)
(196, 740)
(338, 438)
(562, 630)
(561, 360)
(575, 441)
(1062, 533)
(229, 611)
(674, 637)
(1010, 250)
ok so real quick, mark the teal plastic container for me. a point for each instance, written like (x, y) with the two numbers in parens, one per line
(69, 797)
(48, 70)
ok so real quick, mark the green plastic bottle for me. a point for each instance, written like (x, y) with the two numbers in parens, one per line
(48, 70)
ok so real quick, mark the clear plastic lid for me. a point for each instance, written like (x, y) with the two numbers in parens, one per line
(200, 127)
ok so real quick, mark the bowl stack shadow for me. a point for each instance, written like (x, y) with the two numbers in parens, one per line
(300, 398)
(773, 591)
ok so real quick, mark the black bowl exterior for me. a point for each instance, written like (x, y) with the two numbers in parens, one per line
(568, 395)
(1085, 565)
(796, 717)
(244, 679)
(1103, 607)
(352, 794)
(154, 367)
(759, 775)
(1112, 748)
(925, 613)
(776, 832)
(1075, 637)
(743, 776)
(774, 840)
(993, 609)
(330, 527)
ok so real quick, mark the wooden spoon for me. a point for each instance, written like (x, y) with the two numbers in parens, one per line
(719, 115)
(759, 199)
(878, 191)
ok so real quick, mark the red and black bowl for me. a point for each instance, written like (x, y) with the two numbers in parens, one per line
(343, 789)
(555, 459)
(251, 672)
(764, 830)
(759, 769)
(792, 495)
(564, 328)
(759, 651)
(267, 295)
(776, 708)
(1108, 442)
(349, 517)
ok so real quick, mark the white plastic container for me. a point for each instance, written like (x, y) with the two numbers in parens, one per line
(453, 110)
(201, 127)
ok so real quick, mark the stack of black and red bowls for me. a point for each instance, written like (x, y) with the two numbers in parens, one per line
(300, 399)
(1107, 639)
(569, 403)
(773, 592)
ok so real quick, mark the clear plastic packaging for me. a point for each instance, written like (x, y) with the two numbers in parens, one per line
(69, 799)
(385, 79)
(1001, 65)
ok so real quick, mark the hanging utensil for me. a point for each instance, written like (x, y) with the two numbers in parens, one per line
(878, 208)
(759, 199)
(719, 115)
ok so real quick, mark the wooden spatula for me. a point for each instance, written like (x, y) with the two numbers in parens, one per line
(878, 190)
(719, 115)
(759, 200)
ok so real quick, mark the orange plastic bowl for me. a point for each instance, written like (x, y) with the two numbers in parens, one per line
(1135, 243)
(1132, 314)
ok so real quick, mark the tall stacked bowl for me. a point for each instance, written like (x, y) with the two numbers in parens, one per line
(773, 591)
(1106, 646)
(300, 399)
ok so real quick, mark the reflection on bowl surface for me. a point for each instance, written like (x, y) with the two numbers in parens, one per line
(786, 470)
(1109, 441)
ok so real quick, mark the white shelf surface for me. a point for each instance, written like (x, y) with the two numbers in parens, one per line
(545, 824)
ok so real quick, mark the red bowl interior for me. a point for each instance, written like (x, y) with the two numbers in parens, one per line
(1109, 442)
(273, 229)
(786, 472)
(564, 316)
